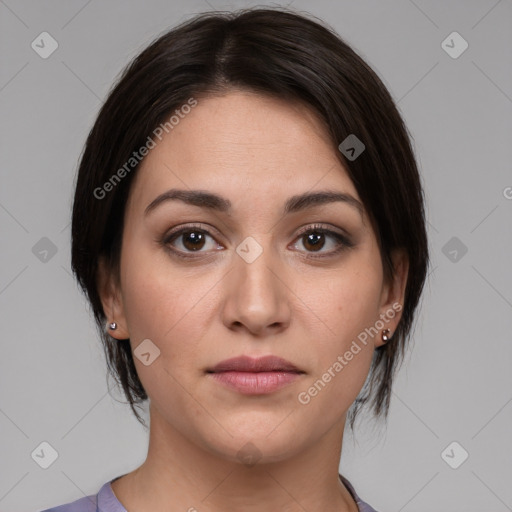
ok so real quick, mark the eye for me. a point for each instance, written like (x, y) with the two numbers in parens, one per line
(315, 238)
(190, 239)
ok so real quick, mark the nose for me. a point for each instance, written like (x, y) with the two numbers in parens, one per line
(257, 298)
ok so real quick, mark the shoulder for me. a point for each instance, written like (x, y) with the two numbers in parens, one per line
(86, 504)
(104, 501)
(361, 505)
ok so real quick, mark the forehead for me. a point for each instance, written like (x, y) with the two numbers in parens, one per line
(244, 145)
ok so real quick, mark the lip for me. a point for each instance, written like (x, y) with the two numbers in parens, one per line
(255, 376)
(254, 364)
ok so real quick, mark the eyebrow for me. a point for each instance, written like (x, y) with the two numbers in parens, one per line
(211, 201)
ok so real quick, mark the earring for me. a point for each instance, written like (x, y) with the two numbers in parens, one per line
(112, 326)
(386, 335)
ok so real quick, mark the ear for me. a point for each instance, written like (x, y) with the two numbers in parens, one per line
(110, 294)
(393, 293)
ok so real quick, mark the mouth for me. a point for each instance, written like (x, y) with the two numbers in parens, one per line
(255, 376)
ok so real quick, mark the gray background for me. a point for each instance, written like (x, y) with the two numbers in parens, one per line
(455, 384)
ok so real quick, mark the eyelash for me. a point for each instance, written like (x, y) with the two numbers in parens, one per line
(344, 241)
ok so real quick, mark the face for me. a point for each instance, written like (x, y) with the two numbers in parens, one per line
(255, 272)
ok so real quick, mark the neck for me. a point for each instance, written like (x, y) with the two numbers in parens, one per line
(177, 471)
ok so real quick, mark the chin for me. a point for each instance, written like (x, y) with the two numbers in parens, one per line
(255, 444)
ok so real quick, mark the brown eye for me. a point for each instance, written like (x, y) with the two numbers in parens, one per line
(316, 238)
(193, 240)
(314, 241)
(188, 240)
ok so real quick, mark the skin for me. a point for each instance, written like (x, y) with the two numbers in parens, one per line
(255, 151)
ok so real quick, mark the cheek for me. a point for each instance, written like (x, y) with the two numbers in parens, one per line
(349, 307)
(165, 304)
(349, 301)
(358, 301)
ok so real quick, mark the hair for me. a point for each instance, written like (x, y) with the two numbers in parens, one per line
(273, 52)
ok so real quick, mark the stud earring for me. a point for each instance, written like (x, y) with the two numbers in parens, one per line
(386, 335)
(112, 326)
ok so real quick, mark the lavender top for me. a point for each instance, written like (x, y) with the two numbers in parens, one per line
(106, 501)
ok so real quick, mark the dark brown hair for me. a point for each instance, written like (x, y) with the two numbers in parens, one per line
(269, 51)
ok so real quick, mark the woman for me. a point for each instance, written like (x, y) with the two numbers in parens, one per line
(249, 229)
